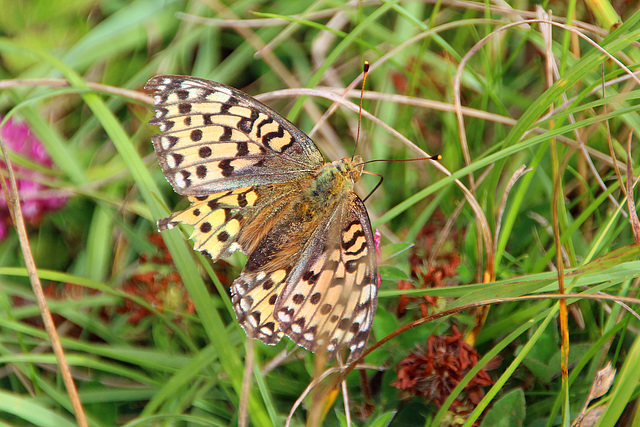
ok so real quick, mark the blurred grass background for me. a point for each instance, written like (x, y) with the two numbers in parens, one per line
(146, 323)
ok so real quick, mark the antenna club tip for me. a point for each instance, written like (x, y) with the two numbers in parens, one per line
(436, 157)
(365, 66)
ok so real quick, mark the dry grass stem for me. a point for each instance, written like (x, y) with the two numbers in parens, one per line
(13, 202)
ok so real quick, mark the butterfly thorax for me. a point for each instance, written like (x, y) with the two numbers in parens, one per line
(333, 180)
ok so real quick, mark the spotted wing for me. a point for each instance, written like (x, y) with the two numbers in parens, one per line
(333, 302)
(217, 220)
(216, 138)
(237, 219)
(325, 298)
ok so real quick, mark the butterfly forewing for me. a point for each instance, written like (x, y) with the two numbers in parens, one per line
(217, 138)
(258, 184)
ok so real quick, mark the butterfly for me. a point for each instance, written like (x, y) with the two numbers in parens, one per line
(260, 185)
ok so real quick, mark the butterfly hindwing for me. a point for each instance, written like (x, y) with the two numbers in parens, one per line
(330, 299)
(253, 296)
(271, 262)
(324, 297)
(217, 220)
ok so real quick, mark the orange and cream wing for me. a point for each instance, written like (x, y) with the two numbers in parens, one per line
(216, 138)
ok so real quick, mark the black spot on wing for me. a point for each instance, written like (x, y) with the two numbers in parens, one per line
(225, 167)
(205, 152)
(184, 108)
(196, 135)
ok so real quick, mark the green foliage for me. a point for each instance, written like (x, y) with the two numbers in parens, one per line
(508, 411)
(153, 342)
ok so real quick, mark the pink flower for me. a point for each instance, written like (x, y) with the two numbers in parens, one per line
(33, 194)
(377, 238)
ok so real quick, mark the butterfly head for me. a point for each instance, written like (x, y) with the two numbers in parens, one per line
(350, 167)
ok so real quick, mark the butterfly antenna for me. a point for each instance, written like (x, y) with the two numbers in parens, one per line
(377, 185)
(436, 157)
(365, 70)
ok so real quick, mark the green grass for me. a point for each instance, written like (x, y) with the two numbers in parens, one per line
(182, 360)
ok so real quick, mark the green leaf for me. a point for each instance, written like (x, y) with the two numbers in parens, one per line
(508, 411)
(383, 420)
(388, 272)
(29, 410)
